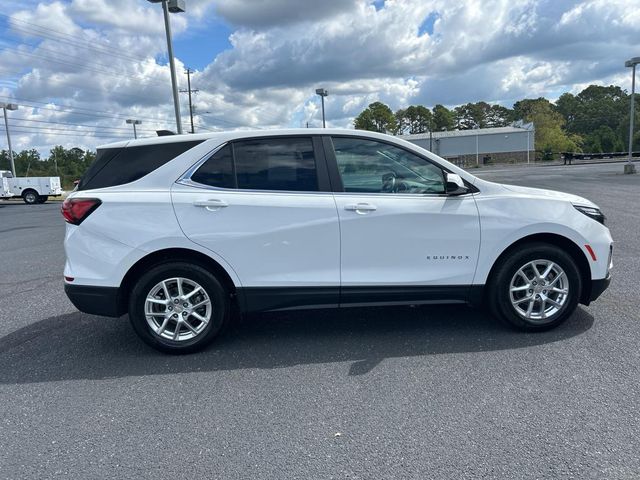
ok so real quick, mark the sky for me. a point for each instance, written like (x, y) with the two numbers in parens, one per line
(79, 68)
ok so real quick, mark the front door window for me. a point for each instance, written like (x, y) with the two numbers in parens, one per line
(368, 166)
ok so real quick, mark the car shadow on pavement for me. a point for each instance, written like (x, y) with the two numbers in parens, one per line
(78, 346)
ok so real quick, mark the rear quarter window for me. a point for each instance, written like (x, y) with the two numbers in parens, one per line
(117, 166)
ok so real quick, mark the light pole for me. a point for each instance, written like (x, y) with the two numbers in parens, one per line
(133, 122)
(173, 6)
(5, 107)
(323, 93)
(629, 166)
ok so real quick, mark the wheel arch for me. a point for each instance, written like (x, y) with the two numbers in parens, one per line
(562, 242)
(170, 255)
(27, 190)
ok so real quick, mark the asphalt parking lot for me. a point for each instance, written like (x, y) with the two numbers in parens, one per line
(429, 392)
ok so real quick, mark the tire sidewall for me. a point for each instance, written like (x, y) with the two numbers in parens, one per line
(28, 195)
(501, 294)
(196, 273)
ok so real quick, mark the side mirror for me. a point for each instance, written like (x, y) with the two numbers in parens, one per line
(455, 185)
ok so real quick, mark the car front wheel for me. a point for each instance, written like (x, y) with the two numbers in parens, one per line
(535, 288)
(178, 307)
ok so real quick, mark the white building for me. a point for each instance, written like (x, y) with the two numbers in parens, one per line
(467, 147)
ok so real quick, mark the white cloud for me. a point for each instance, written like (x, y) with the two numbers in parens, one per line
(281, 50)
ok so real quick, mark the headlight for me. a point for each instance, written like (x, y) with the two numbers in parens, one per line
(592, 212)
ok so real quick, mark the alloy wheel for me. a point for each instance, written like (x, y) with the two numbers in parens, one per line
(538, 290)
(178, 309)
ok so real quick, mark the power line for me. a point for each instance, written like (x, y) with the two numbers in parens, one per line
(113, 94)
(60, 129)
(77, 110)
(80, 45)
(28, 132)
(79, 125)
(83, 66)
(58, 35)
(106, 49)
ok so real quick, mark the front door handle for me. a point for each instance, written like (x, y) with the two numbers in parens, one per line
(360, 208)
(211, 204)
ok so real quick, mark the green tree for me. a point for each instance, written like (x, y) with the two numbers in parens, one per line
(28, 163)
(5, 162)
(470, 115)
(603, 139)
(443, 118)
(623, 131)
(377, 117)
(596, 114)
(568, 105)
(549, 124)
(414, 119)
(499, 116)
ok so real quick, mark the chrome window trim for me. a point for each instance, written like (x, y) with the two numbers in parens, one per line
(185, 179)
(186, 176)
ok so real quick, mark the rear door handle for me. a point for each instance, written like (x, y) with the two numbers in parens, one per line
(211, 204)
(360, 208)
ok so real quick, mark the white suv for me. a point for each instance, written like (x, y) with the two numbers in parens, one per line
(178, 230)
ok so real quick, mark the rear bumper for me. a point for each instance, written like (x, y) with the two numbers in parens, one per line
(103, 301)
(599, 286)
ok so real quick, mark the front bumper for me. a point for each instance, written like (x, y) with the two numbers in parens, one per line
(599, 286)
(103, 301)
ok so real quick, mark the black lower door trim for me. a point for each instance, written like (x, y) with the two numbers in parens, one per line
(261, 299)
(398, 295)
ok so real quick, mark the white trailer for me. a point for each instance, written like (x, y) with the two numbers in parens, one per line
(31, 189)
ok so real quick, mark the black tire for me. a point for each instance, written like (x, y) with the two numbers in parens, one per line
(218, 296)
(499, 294)
(30, 197)
(43, 198)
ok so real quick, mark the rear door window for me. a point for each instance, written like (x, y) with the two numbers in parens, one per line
(217, 171)
(276, 164)
(117, 166)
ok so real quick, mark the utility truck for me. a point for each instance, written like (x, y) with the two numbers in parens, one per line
(31, 189)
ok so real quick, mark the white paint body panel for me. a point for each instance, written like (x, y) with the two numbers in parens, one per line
(408, 239)
(509, 213)
(124, 229)
(270, 238)
(299, 239)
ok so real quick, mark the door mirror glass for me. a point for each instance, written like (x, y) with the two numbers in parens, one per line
(455, 185)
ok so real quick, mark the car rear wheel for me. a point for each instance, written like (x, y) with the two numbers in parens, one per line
(30, 197)
(535, 288)
(178, 307)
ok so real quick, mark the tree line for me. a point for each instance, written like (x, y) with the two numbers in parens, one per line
(69, 164)
(596, 120)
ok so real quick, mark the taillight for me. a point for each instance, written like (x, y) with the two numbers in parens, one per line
(75, 210)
